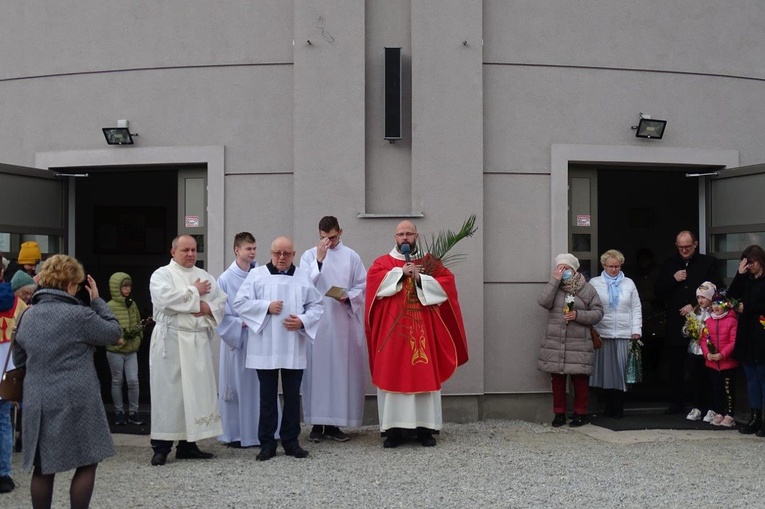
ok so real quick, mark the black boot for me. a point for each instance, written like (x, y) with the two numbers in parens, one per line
(608, 399)
(618, 403)
(754, 425)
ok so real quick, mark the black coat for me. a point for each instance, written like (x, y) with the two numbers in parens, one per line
(750, 336)
(676, 294)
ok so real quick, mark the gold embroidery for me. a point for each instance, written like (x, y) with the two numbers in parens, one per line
(208, 421)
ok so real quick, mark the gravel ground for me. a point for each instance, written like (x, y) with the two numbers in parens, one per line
(484, 464)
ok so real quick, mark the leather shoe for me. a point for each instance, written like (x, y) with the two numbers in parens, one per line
(426, 439)
(192, 454)
(578, 420)
(560, 420)
(159, 458)
(265, 454)
(392, 442)
(296, 452)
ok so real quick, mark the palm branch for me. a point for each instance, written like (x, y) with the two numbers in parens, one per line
(440, 245)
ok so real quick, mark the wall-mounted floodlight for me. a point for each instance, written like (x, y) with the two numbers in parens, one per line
(119, 135)
(649, 127)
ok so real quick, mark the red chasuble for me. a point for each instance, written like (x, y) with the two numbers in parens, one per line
(412, 348)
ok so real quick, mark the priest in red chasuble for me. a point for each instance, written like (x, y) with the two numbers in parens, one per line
(415, 336)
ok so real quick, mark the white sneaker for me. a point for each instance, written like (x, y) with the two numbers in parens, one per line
(717, 421)
(728, 422)
(694, 415)
(710, 416)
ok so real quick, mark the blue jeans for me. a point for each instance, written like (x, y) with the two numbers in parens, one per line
(755, 383)
(6, 438)
(127, 364)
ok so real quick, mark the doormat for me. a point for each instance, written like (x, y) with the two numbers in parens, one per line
(129, 429)
(634, 422)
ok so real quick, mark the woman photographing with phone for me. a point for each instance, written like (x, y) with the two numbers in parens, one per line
(748, 288)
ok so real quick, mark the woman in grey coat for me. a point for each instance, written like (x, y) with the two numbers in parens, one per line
(573, 306)
(64, 424)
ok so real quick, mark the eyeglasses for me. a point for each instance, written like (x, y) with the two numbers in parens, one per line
(404, 235)
(613, 266)
(685, 248)
(282, 254)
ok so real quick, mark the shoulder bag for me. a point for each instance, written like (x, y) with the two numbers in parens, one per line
(12, 384)
(597, 342)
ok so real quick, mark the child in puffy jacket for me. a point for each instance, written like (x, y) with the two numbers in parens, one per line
(717, 342)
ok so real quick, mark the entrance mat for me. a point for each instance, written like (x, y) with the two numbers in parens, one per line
(129, 429)
(634, 422)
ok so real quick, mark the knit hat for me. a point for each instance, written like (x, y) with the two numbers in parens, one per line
(30, 253)
(707, 290)
(567, 259)
(21, 279)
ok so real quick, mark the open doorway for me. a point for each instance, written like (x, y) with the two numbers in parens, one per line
(640, 213)
(125, 220)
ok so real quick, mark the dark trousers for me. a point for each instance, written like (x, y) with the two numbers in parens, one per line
(723, 390)
(676, 356)
(269, 410)
(164, 446)
(755, 383)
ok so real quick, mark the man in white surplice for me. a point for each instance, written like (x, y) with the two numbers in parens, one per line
(335, 378)
(238, 396)
(282, 308)
(188, 305)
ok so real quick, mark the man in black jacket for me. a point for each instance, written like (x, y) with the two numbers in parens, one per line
(676, 285)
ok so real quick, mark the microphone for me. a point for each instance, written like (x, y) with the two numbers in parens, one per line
(405, 248)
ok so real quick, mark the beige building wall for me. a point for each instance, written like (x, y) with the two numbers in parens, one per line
(489, 89)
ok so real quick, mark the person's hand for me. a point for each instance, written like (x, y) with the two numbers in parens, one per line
(635, 337)
(204, 287)
(570, 316)
(686, 309)
(743, 265)
(740, 308)
(321, 249)
(275, 307)
(681, 275)
(91, 287)
(557, 272)
(121, 342)
(411, 270)
(293, 323)
(204, 309)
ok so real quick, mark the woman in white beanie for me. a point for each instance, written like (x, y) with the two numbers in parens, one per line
(573, 306)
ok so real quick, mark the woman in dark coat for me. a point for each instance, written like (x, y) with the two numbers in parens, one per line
(64, 423)
(573, 306)
(748, 286)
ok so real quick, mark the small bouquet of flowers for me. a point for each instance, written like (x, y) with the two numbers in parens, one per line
(711, 348)
(762, 321)
(568, 305)
(136, 331)
(693, 327)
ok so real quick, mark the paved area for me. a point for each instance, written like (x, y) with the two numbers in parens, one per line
(484, 464)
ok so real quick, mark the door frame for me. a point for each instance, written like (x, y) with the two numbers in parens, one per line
(211, 156)
(561, 156)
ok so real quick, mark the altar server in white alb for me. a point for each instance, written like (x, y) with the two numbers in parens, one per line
(238, 393)
(335, 378)
(281, 307)
(188, 305)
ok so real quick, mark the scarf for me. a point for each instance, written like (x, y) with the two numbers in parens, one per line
(574, 284)
(718, 317)
(613, 287)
